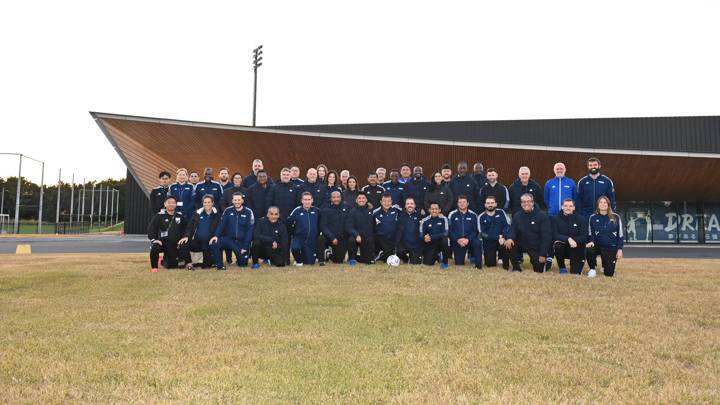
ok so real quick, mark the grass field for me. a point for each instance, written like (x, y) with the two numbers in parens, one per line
(104, 329)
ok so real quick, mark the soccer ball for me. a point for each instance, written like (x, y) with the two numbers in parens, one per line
(393, 260)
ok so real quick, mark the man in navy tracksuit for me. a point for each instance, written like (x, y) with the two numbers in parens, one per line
(305, 223)
(558, 189)
(524, 185)
(463, 233)
(494, 228)
(592, 187)
(184, 193)
(235, 232)
(158, 194)
(332, 228)
(317, 189)
(295, 176)
(409, 244)
(395, 188)
(479, 176)
(283, 195)
(434, 233)
(607, 237)
(416, 189)
(463, 184)
(257, 166)
(360, 229)
(256, 195)
(530, 231)
(569, 237)
(270, 239)
(201, 228)
(209, 186)
(386, 220)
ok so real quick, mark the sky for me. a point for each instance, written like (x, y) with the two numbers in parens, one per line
(338, 62)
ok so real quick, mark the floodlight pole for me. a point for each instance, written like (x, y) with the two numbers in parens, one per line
(17, 197)
(42, 187)
(257, 62)
(57, 208)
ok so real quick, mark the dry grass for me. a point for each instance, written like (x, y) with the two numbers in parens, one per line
(102, 328)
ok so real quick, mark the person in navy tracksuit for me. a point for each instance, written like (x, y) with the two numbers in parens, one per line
(315, 187)
(360, 229)
(606, 234)
(530, 231)
(434, 233)
(494, 228)
(184, 192)
(592, 187)
(386, 221)
(234, 232)
(464, 184)
(332, 228)
(464, 233)
(559, 189)
(416, 189)
(305, 223)
(395, 188)
(270, 239)
(209, 186)
(283, 195)
(569, 237)
(408, 241)
(256, 194)
(201, 228)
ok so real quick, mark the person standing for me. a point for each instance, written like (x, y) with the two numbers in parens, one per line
(606, 235)
(209, 186)
(373, 191)
(283, 195)
(183, 193)
(479, 177)
(256, 195)
(570, 236)
(395, 188)
(592, 187)
(416, 189)
(158, 194)
(463, 184)
(558, 189)
(439, 192)
(317, 189)
(257, 166)
(524, 185)
(531, 232)
(496, 189)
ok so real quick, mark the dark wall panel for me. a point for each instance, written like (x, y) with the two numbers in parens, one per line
(137, 208)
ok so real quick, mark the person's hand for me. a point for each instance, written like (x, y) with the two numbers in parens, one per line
(335, 242)
(182, 241)
(358, 239)
(509, 244)
(213, 240)
(589, 245)
(463, 242)
(274, 245)
(427, 238)
(243, 251)
(157, 241)
(541, 259)
(619, 254)
(572, 243)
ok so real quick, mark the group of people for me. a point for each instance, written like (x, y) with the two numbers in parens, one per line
(399, 215)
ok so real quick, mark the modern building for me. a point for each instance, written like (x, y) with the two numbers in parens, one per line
(666, 169)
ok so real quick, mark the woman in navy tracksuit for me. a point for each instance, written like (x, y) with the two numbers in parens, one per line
(605, 230)
(200, 229)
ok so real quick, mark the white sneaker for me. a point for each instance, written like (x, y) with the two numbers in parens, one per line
(591, 273)
(298, 264)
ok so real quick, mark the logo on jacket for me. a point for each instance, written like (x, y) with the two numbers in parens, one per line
(177, 220)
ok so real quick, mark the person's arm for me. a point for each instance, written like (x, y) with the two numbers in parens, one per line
(350, 225)
(270, 197)
(507, 198)
(426, 202)
(475, 232)
(449, 201)
(259, 236)
(611, 194)
(325, 226)
(452, 231)
(439, 235)
(579, 197)
(621, 233)
(541, 198)
(545, 235)
(190, 229)
(546, 194)
(221, 225)
(591, 234)
(249, 231)
(556, 235)
(283, 238)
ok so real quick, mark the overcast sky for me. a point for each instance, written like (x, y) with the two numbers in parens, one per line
(333, 62)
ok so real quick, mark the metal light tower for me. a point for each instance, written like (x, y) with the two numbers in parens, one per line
(257, 62)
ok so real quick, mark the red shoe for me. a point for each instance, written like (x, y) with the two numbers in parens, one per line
(153, 270)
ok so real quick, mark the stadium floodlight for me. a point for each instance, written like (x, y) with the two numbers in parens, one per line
(257, 62)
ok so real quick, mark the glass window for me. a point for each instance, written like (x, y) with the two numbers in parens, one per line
(712, 223)
(664, 222)
(638, 225)
(688, 222)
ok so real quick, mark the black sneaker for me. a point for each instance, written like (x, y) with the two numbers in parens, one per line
(322, 263)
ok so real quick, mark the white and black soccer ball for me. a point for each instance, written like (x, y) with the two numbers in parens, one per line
(393, 260)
